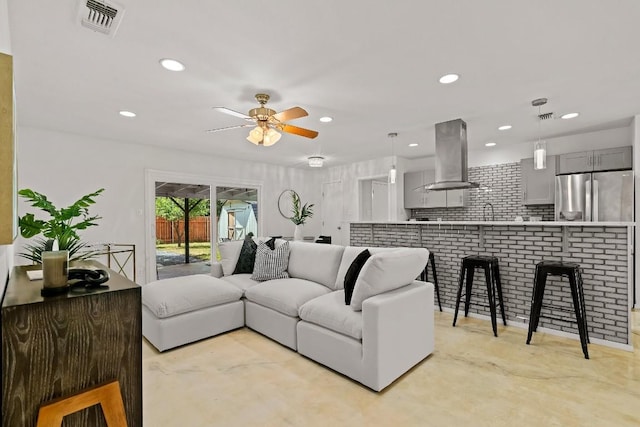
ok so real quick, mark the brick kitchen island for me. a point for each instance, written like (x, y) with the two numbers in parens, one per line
(604, 251)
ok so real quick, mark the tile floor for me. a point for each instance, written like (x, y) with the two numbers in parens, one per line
(472, 379)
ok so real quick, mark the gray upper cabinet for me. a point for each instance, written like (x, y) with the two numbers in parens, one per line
(597, 160)
(430, 199)
(538, 186)
(434, 199)
(613, 158)
(413, 199)
(456, 198)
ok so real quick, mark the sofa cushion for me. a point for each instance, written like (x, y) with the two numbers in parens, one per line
(229, 254)
(170, 297)
(386, 271)
(285, 295)
(240, 281)
(352, 274)
(271, 264)
(350, 253)
(315, 262)
(329, 312)
(247, 257)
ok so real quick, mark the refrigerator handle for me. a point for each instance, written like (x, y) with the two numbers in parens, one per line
(587, 204)
(594, 215)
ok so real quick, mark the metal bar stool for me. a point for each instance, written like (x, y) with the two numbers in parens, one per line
(572, 272)
(492, 279)
(424, 276)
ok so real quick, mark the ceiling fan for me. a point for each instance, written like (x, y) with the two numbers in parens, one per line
(268, 122)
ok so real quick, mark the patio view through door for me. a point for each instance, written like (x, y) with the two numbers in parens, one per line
(183, 229)
(236, 213)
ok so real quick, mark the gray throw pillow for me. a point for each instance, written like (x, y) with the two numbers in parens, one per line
(271, 264)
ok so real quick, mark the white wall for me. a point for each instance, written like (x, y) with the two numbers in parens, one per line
(6, 251)
(65, 167)
(349, 176)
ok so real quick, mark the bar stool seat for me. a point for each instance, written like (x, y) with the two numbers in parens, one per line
(571, 271)
(492, 279)
(424, 276)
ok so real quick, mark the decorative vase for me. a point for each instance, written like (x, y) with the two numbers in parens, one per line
(297, 233)
(54, 272)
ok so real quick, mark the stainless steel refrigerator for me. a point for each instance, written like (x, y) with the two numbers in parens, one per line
(596, 196)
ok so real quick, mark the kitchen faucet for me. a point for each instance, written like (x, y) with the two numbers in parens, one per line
(484, 217)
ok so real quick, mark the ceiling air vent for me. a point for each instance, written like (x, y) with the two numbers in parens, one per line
(545, 116)
(101, 16)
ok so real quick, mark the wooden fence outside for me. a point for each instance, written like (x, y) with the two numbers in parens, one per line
(199, 230)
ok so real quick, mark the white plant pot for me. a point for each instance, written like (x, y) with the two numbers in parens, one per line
(297, 233)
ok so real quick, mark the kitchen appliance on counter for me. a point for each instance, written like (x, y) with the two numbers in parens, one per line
(597, 196)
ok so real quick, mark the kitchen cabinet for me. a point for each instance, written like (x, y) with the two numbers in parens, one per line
(538, 186)
(434, 199)
(54, 347)
(430, 199)
(413, 199)
(456, 198)
(8, 181)
(596, 160)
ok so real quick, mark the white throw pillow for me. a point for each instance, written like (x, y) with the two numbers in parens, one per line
(229, 254)
(386, 271)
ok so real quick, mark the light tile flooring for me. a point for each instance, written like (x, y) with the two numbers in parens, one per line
(472, 379)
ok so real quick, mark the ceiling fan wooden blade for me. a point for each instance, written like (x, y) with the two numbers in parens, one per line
(290, 114)
(229, 128)
(299, 131)
(231, 112)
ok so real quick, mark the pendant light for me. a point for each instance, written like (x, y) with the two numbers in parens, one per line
(393, 171)
(540, 146)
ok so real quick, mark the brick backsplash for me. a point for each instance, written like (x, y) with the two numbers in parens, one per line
(503, 182)
(601, 252)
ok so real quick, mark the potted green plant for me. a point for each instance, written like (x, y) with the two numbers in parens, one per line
(300, 214)
(59, 228)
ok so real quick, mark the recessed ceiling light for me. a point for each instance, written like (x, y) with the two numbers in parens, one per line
(490, 144)
(570, 115)
(127, 113)
(326, 119)
(172, 64)
(504, 127)
(449, 78)
(413, 144)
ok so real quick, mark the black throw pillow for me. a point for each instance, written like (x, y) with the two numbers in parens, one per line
(247, 257)
(271, 243)
(352, 274)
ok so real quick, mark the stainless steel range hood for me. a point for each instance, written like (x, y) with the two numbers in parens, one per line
(451, 158)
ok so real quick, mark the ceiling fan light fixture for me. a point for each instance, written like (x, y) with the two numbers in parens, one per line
(316, 161)
(271, 136)
(256, 135)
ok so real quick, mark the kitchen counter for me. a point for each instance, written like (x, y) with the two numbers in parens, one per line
(519, 223)
(604, 250)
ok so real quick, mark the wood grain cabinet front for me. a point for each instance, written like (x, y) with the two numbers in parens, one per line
(59, 346)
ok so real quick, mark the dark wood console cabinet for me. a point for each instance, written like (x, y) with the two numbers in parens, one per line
(57, 346)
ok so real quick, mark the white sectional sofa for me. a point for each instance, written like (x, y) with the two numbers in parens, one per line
(387, 329)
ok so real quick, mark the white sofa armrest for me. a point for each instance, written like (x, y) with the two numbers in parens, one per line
(397, 332)
(216, 269)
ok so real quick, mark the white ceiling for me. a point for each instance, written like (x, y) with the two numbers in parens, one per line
(372, 66)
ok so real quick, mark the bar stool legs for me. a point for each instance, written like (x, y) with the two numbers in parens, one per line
(572, 271)
(425, 276)
(494, 287)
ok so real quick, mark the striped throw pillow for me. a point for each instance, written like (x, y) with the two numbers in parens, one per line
(271, 264)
